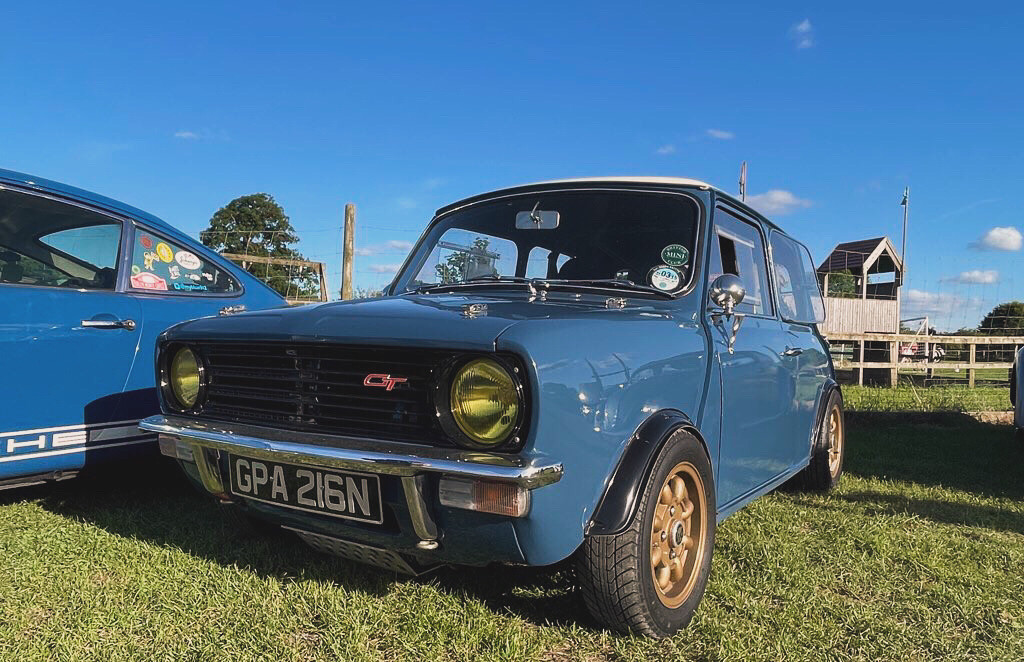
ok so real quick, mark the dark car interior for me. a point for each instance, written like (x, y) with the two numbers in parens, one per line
(51, 243)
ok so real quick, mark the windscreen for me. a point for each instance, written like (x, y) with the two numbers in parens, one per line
(641, 237)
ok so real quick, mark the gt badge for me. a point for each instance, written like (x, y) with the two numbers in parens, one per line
(386, 382)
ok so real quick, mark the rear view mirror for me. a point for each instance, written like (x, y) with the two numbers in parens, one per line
(536, 220)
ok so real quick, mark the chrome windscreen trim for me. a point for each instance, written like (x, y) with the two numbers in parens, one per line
(388, 458)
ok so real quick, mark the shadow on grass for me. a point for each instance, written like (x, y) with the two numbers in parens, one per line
(154, 503)
(934, 510)
(943, 450)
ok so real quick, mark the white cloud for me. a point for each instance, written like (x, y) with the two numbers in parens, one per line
(186, 135)
(802, 34)
(920, 302)
(976, 277)
(665, 150)
(777, 202)
(405, 203)
(1000, 239)
(718, 134)
(365, 251)
(432, 183)
(385, 268)
(399, 245)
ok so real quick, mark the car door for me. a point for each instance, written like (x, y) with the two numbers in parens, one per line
(757, 387)
(67, 335)
(174, 280)
(800, 307)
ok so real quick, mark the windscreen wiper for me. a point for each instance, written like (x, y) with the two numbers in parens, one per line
(483, 279)
(610, 283)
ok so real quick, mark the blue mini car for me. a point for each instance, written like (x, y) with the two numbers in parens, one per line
(86, 286)
(601, 369)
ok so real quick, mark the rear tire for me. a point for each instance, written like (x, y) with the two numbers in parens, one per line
(650, 578)
(829, 452)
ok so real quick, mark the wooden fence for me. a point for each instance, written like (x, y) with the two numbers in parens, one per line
(317, 267)
(895, 341)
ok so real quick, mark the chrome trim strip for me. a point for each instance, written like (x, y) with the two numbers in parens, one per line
(358, 454)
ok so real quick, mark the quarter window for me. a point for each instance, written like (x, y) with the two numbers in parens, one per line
(797, 286)
(739, 251)
(164, 266)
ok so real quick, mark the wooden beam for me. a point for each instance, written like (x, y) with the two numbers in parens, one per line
(941, 340)
(266, 259)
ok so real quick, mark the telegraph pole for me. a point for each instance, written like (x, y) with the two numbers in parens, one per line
(906, 209)
(348, 251)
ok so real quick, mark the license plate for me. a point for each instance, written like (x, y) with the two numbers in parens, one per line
(345, 494)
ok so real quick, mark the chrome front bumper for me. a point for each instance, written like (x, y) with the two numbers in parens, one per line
(188, 439)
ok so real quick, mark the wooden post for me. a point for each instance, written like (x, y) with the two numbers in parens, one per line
(323, 283)
(970, 371)
(894, 357)
(860, 370)
(348, 251)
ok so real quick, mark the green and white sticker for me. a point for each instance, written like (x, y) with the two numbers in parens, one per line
(665, 278)
(675, 255)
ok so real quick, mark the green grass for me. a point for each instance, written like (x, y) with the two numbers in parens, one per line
(918, 556)
(909, 398)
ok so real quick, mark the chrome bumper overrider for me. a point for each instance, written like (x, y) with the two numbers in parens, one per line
(186, 439)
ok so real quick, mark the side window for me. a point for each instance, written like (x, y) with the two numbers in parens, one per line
(162, 265)
(738, 250)
(48, 243)
(795, 281)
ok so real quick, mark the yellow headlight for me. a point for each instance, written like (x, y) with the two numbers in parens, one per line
(185, 377)
(485, 402)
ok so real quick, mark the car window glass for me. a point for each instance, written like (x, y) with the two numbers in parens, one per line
(165, 266)
(795, 281)
(739, 251)
(462, 255)
(597, 235)
(49, 243)
(540, 264)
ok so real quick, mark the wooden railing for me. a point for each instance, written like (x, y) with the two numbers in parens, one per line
(895, 340)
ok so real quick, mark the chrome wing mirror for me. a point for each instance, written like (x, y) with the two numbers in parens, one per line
(726, 293)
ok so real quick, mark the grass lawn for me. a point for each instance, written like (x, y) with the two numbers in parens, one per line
(907, 397)
(919, 556)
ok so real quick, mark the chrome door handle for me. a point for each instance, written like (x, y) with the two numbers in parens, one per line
(793, 351)
(126, 324)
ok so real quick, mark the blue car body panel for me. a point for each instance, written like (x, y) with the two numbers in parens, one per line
(596, 372)
(69, 387)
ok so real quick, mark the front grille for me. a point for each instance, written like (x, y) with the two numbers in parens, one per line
(320, 388)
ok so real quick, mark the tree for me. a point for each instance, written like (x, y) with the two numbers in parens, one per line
(842, 284)
(256, 225)
(1006, 319)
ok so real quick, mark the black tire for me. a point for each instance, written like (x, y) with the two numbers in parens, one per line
(616, 572)
(825, 470)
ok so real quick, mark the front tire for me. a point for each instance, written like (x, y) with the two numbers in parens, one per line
(649, 578)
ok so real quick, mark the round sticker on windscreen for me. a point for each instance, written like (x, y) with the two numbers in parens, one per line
(665, 278)
(675, 254)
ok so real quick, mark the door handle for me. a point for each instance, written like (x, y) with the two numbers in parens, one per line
(126, 324)
(792, 351)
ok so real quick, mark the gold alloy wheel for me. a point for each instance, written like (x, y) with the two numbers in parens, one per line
(835, 441)
(678, 535)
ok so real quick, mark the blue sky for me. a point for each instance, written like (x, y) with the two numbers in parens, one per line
(403, 107)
